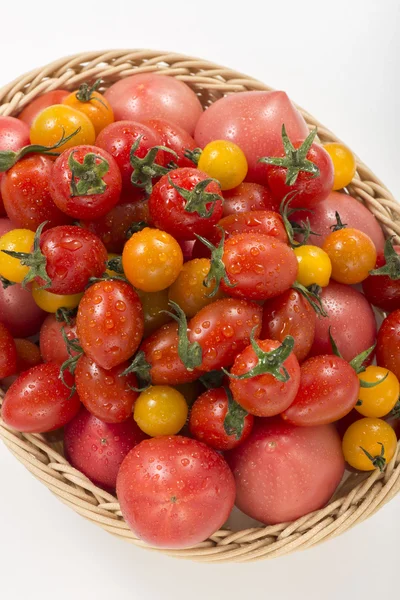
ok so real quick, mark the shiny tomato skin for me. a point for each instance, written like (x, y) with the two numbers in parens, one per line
(284, 472)
(175, 137)
(189, 500)
(14, 135)
(19, 312)
(381, 290)
(109, 322)
(8, 353)
(247, 197)
(388, 343)
(328, 391)
(253, 121)
(105, 394)
(290, 314)
(51, 341)
(31, 110)
(97, 449)
(28, 354)
(38, 401)
(5, 225)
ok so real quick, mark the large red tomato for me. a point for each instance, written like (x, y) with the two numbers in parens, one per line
(14, 135)
(19, 312)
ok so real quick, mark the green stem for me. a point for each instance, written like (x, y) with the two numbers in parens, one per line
(190, 353)
(141, 368)
(379, 461)
(391, 268)
(311, 294)
(235, 417)
(217, 272)
(197, 199)
(146, 169)
(89, 174)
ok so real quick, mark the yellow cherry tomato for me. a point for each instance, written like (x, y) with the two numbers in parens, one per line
(160, 410)
(154, 304)
(369, 444)
(60, 120)
(224, 161)
(152, 259)
(93, 104)
(352, 254)
(52, 302)
(16, 240)
(379, 400)
(314, 266)
(188, 289)
(344, 164)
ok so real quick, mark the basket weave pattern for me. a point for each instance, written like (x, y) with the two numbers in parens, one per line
(361, 495)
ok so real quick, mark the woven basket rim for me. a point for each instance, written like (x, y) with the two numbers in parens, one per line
(362, 495)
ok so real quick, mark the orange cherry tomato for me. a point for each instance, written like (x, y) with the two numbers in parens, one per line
(93, 104)
(352, 254)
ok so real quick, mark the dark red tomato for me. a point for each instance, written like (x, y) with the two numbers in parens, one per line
(5, 226)
(38, 401)
(183, 217)
(19, 312)
(290, 314)
(328, 391)
(258, 266)
(8, 353)
(97, 449)
(14, 135)
(110, 322)
(31, 110)
(28, 355)
(26, 195)
(264, 395)
(381, 290)
(388, 343)
(52, 345)
(351, 319)
(259, 221)
(175, 492)
(247, 197)
(218, 423)
(284, 472)
(85, 182)
(174, 137)
(105, 394)
(344, 423)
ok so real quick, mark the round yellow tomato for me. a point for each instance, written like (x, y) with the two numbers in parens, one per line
(16, 240)
(188, 290)
(152, 259)
(369, 444)
(344, 164)
(52, 302)
(224, 161)
(154, 304)
(60, 120)
(314, 266)
(352, 254)
(93, 104)
(379, 400)
(160, 410)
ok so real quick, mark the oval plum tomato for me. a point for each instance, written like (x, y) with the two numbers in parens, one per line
(350, 318)
(93, 104)
(247, 197)
(314, 266)
(97, 449)
(253, 121)
(186, 202)
(219, 421)
(290, 314)
(152, 260)
(19, 312)
(352, 254)
(344, 164)
(85, 182)
(388, 343)
(382, 286)
(379, 400)
(160, 410)
(28, 355)
(31, 110)
(224, 161)
(189, 501)
(16, 240)
(188, 289)
(148, 95)
(26, 195)
(51, 303)
(284, 472)
(14, 135)
(258, 221)
(265, 377)
(328, 391)
(108, 395)
(369, 444)
(52, 345)
(175, 137)
(109, 323)
(154, 305)
(38, 401)
(8, 353)
(59, 121)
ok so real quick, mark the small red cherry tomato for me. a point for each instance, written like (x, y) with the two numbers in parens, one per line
(388, 343)
(8, 353)
(19, 312)
(28, 355)
(382, 287)
(14, 135)
(247, 197)
(175, 137)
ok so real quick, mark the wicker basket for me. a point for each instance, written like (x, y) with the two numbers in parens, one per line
(360, 496)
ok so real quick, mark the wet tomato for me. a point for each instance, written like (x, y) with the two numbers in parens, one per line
(160, 410)
(175, 137)
(14, 135)
(382, 287)
(369, 444)
(31, 110)
(224, 161)
(8, 353)
(52, 345)
(247, 197)
(59, 121)
(352, 254)
(189, 291)
(93, 104)
(388, 343)
(19, 312)
(28, 354)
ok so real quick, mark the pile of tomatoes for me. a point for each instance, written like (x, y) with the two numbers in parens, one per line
(188, 296)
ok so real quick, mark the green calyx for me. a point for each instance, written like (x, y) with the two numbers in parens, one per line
(295, 160)
(391, 268)
(292, 228)
(312, 295)
(269, 362)
(9, 158)
(66, 315)
(378, 461)
(395, 412)
(135, 227)
(141, 368)
(197, 199)
(190, 353)
(338, 225)
(85, 93)
(234, 419)
(71, 362)
(36, 261)
(217, 272)
(6, 283)
(89, 174)
(145, 169)
(115, 264)
(193, 155)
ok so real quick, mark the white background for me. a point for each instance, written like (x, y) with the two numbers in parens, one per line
(341, 61)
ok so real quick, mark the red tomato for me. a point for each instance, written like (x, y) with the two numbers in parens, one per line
(284, 472)
(253, 121)
(106, 394)
(182, 214)
(221, 424)
(344, 423)
(388, 343)
(247, 197)
(38, 401)
(110, 323)
(14, 135)
(85, 182)
(351, 319)
(26, 195)
(174, 492)
(175, 137)
(381, 290)
(8, 353)
(151, 96)
(290, 314)
(31, 110)
(52, 344)
(19, 312)
(5, 226)
(264, 395)
(328, 391)
(97, 449)
(266, 222)
(28, 355)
